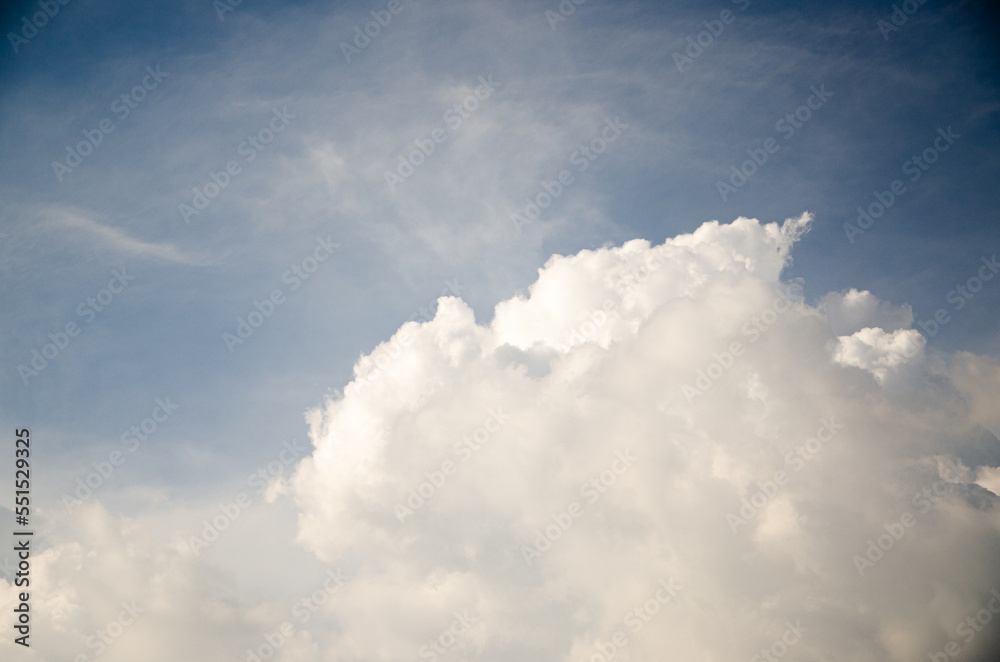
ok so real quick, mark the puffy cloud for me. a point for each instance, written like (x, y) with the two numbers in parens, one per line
(105, 587)
(655, 413)
(851, 311)
(659, 448)
(879, 352)
(113, 588)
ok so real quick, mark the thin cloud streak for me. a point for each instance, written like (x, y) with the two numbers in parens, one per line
(117, 239)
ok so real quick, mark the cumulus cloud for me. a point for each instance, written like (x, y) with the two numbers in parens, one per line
(660, 449)
(851, 311)
(106, 587)
(879, 352)
(648, 414)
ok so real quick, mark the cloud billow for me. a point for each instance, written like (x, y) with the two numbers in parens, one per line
(591, 367)
(562, 484)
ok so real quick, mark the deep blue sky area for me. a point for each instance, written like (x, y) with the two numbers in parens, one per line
(323, 176)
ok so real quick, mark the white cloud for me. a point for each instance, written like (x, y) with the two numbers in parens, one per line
(573, 402)
(113, 238)
(879, 352)
(92, 569)
(473, 443)
(851, 311)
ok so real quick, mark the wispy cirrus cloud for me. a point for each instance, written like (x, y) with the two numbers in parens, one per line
(115, 239)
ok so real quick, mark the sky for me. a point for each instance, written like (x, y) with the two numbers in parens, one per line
(326, 315)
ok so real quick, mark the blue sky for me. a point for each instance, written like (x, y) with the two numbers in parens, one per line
(322, 178)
